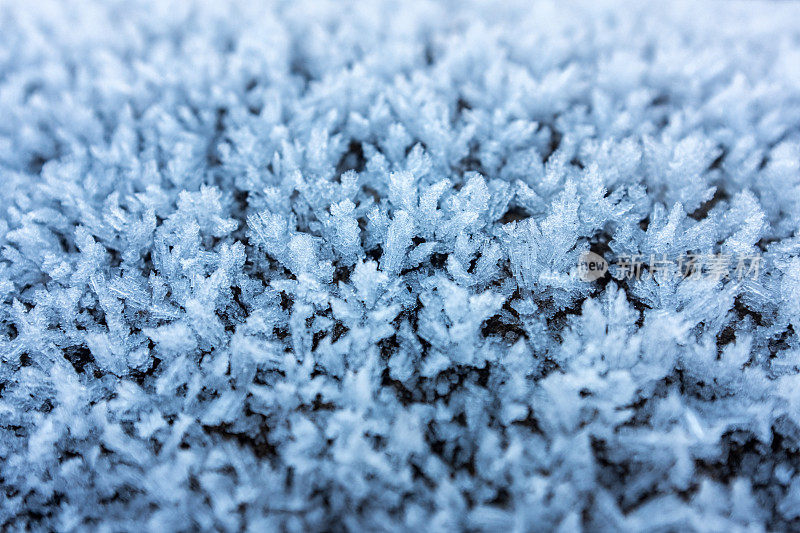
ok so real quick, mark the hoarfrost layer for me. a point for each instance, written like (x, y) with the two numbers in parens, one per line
(315, 266)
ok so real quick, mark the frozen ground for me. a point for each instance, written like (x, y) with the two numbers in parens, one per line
(314, 266)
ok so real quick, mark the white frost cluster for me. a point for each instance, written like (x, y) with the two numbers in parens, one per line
(314, 266)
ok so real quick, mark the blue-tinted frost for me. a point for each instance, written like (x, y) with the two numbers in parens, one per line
(314, 266)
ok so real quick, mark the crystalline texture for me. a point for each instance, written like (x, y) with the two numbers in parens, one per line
(314, 266)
